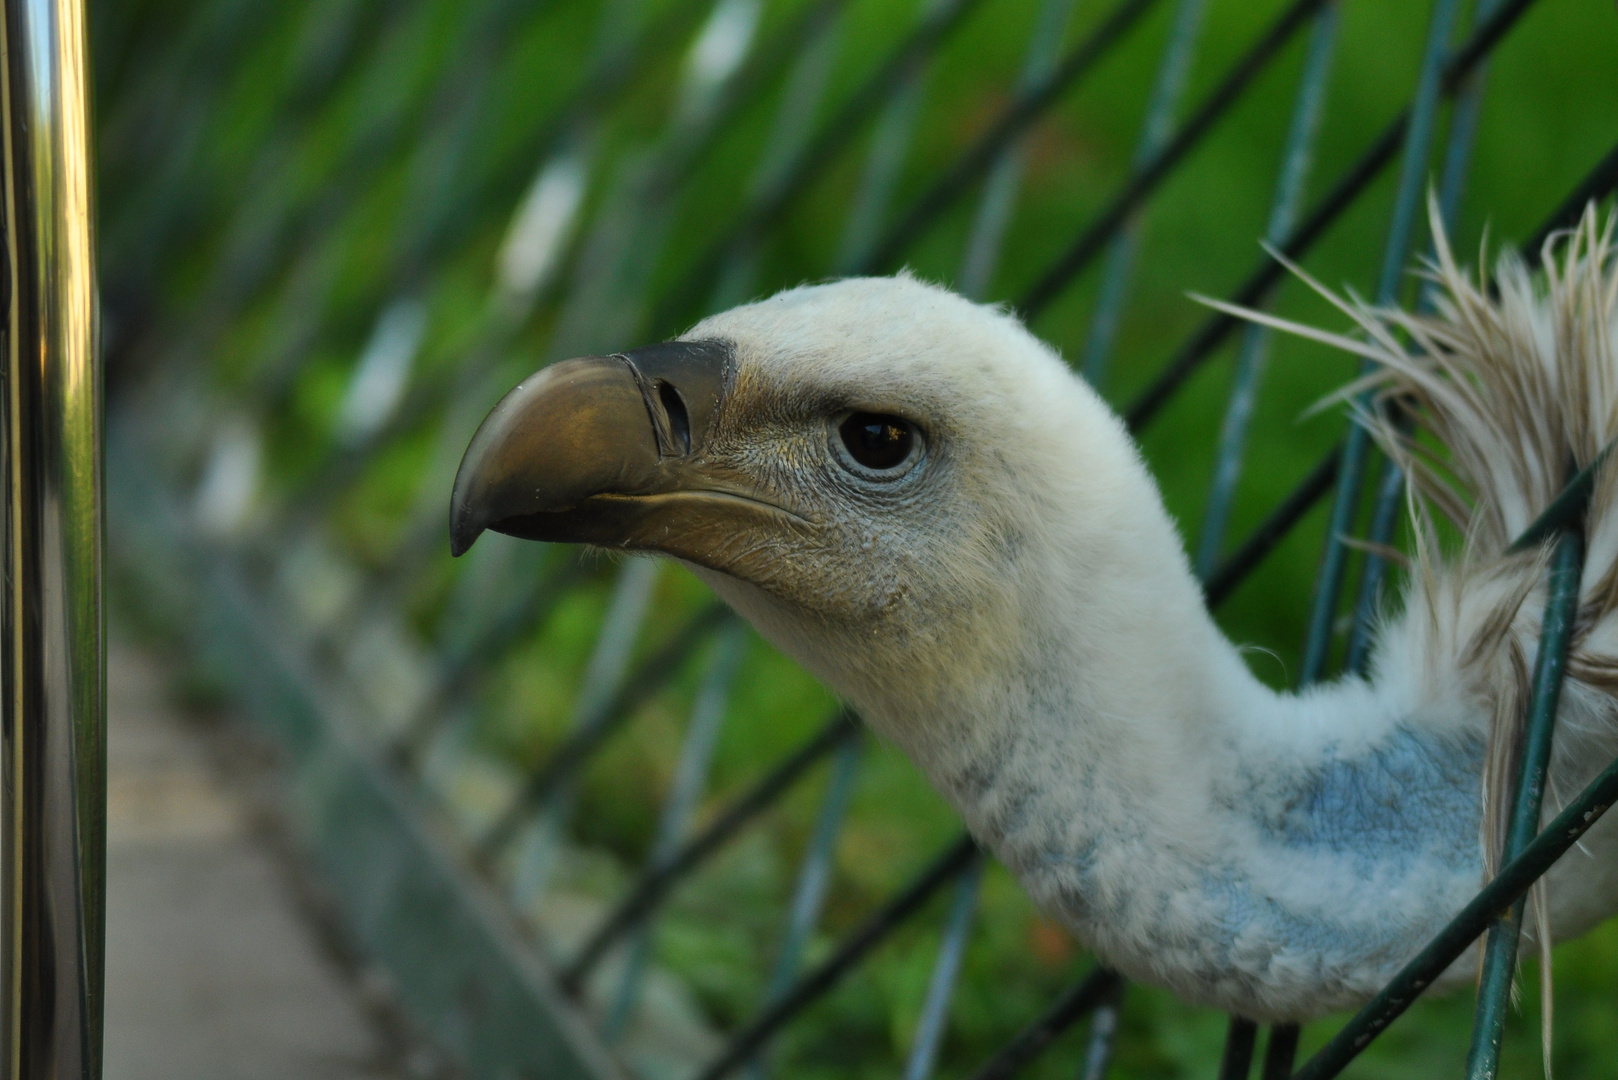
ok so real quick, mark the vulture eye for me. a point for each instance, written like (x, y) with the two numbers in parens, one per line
(877, 441)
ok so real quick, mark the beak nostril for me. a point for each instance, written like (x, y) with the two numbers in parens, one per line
(679, 419)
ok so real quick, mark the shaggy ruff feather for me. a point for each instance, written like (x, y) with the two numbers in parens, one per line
(1507, 388)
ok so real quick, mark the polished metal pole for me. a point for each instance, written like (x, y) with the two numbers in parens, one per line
(52, 664)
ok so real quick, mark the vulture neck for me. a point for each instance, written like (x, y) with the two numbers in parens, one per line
(1276, 855)
(1115, 699)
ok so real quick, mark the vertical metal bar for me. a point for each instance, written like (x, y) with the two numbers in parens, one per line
(1385, 514)
(1094, 991)
(814, 874)
(1096, 237)
(890, 140)
(1390, 491)
(789, 133)
(52, 742)
(978, 264)
(463, 656)
(1342, 194)
(758, 1031)
(654, 884)
(1356, 445)
(1418, 142)
(1011, 126)
(1500, 952)
(690, 777)
(814, 878)
(946, 968)
(618, 257)
(620, 628)
(1458, 935)
(1159, 126)
(1534, 858)
(1103, 1036)
(593, 729)
(1295, 158)
(1296, 154)
(764, 209)
(1280, 1052)
(1237, 1060)
(1000, 190)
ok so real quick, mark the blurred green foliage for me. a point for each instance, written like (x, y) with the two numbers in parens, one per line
(275, 173)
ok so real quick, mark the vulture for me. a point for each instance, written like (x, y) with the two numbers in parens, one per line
(916, 499)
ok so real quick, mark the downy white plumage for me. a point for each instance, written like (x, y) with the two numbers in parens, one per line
(916, 499)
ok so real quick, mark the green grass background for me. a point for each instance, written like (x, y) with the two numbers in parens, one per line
(272, 173)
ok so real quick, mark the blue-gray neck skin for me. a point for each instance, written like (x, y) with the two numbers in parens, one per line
(1287, 882)
(1275, 856)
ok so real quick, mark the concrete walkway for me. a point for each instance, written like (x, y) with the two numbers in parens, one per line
(216, 966)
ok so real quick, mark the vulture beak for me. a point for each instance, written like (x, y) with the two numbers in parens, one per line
(609, 450)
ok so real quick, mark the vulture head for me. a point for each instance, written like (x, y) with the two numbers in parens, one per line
(916, 499)
(898, 487)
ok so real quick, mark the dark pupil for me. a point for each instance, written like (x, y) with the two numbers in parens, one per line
(877, 441)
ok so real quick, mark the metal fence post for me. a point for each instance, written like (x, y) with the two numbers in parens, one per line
(53, 817)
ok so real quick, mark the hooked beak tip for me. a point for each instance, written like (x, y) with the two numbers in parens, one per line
(461, 541)
(465, 523)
